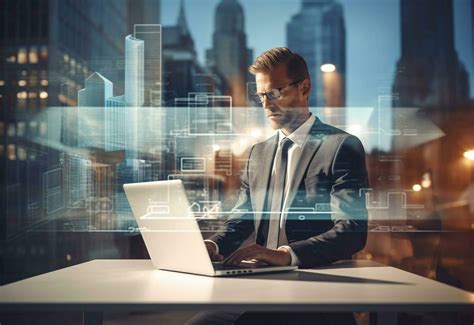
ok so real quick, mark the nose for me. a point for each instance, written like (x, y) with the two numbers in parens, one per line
(266, 103)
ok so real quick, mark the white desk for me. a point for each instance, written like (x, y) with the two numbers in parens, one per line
(134, 285)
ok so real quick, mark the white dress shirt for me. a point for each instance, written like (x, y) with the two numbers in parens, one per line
(299, 138)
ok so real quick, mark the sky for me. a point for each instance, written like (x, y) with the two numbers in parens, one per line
(372, 36)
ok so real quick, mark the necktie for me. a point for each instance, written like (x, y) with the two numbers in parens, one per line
(277, 194)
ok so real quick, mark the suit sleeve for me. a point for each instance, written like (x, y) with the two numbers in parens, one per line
(348, 210)
(240, 224)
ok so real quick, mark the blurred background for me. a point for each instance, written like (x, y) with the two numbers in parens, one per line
(98, 93)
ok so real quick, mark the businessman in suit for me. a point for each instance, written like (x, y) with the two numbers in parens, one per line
(306, 167)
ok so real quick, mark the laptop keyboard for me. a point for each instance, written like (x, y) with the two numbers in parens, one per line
(220, 266)
(243, 266)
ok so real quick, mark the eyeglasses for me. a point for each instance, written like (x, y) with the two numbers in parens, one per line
(272, 94)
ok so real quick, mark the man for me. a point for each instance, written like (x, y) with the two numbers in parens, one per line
(307, 166)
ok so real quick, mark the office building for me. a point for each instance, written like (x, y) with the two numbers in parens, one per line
(97, 90)
(152, 38)
(143, 12)
(229, 55)
(134, 71)
(47, 47)
(429, 73)
(179, 59)
(91, 110)
(318, 34)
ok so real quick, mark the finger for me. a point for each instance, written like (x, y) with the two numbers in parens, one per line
(230, 260)
(239, 256)
(217, 257)
(231, 256)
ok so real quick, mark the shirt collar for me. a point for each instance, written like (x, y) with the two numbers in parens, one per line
(300, 134)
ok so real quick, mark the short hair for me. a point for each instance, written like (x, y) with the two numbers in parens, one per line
(296, 67)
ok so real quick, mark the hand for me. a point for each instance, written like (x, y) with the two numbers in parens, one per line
(211, 249)
(278, 257)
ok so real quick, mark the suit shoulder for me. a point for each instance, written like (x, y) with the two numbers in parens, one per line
(265, 143)
(335, 139)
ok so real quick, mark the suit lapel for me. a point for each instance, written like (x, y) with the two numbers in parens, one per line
(262, 177)
(309, 150)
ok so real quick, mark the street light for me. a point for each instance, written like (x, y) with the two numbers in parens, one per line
(332, 85)
(328, 67)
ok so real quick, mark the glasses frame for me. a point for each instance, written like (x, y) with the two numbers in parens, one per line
(258, 97)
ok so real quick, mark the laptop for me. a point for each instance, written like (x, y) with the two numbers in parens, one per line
(172, 235)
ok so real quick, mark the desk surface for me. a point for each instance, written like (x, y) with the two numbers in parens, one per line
(113, 285)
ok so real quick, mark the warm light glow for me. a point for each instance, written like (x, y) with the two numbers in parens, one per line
(2, 83)
(426, 180)
(43, 95)
(426, 183)
(22, 56)
(22, 83)
(256, 133)
(44, 82)
(328, 67)
(21, 95)
(417, 187)
(469, 154)
(33, 55)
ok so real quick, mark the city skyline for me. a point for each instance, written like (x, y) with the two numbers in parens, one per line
(369, 59)
(318, 33)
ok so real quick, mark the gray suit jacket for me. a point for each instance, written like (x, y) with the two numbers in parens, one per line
(330, 179)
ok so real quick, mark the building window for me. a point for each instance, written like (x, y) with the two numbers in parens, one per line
(22, 59)
(22, 83)
(33, 128)
(22, 95)
(43, 129)
(11, 130)
(44, 82)
(33, 55)
(11, 152)
(2, 83)
(21, 153)
(43, 95)
(44, 53)
(20, 129)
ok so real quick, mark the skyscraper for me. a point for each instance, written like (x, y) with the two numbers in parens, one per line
(179, 59)
(229, 53)
(151, 35)
(91, 110)
(143, 12)
(134, 74)
(429, 73)
(47, 48)
(318, 34)
(96, 91)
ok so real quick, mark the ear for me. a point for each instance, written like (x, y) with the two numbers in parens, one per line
(305, 88)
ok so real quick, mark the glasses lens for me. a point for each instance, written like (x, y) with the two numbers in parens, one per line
(273, 94)
(257, 98)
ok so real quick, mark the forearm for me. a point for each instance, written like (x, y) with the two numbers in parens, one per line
(346, 238)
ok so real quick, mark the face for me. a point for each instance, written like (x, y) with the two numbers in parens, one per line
(291, 110)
